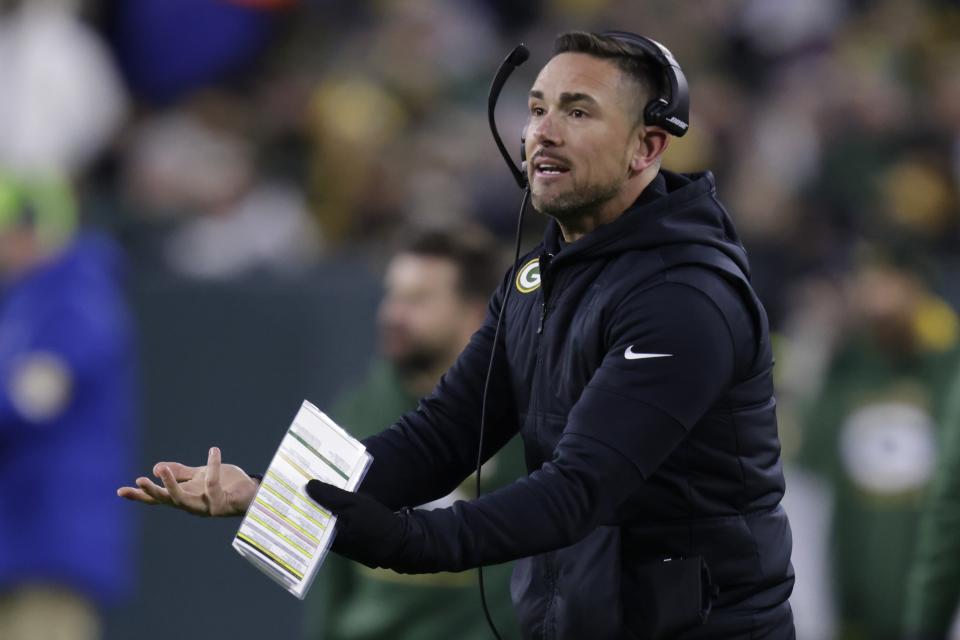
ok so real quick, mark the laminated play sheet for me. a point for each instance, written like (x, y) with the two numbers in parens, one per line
(285, 534)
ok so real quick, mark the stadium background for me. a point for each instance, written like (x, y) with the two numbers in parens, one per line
(258, 158)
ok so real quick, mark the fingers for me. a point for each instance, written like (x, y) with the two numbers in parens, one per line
(216, 503)
(135, 495)
(331, 497)
(213, 472)
(194, 489)
(157, 493)
(181, 472)
(178, 496)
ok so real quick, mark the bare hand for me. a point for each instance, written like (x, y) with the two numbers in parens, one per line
(213, 490)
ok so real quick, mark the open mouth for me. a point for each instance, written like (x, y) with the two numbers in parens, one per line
(549, 168)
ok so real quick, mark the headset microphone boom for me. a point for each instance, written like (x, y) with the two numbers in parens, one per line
(515, 58)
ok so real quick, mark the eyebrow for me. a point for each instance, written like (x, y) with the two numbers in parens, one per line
(567, 97)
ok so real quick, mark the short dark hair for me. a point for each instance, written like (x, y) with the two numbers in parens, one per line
(635, 64)
(472, 250)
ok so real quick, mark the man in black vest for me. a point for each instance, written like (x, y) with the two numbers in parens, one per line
(633, 358)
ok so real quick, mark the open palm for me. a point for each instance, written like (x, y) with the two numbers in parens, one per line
(212, 490)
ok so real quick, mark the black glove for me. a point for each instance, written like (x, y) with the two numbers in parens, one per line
(367, 531)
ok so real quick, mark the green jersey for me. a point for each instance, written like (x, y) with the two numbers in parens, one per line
(933, 587)
(872, 434)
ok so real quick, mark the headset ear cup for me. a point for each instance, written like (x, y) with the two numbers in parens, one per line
(653, 112)
(672, 112)
(523, 150)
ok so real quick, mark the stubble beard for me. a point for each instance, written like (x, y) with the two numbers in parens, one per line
(414, 356)
(576, 203)
(418, 362)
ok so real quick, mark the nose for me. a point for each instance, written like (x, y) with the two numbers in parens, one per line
(544, 131)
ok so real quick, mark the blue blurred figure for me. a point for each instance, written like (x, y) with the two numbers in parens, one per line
(67, 416)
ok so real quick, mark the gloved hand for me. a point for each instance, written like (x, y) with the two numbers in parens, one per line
(367, 531)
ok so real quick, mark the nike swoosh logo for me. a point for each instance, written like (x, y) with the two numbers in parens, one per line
(630, 354)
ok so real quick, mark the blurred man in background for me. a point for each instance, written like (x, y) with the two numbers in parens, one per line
(66, 417)
(436, 297)
(66, 352)
(871, 433)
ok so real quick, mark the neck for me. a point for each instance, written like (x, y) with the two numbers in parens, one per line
(576, 226)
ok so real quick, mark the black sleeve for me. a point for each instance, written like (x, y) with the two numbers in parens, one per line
(632, 414)
(430, 451)
(672, 353)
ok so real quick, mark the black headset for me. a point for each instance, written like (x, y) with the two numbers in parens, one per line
(671, 112)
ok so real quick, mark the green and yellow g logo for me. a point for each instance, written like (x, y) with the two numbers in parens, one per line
(528, 278)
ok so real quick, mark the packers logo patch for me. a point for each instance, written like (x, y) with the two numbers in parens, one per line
(528, 278)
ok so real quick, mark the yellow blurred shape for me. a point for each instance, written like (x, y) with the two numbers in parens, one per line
(356, 111)
(935, 324)
(918, 196)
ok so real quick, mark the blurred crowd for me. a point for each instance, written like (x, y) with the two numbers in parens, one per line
(215, 139)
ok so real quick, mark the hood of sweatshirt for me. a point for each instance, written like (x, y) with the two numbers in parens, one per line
(674, 210)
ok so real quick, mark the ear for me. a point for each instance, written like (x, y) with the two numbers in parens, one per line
(649, 146)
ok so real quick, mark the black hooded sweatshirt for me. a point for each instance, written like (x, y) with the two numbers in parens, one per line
(636, 365)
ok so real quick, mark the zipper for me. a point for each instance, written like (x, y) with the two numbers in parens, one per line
(545, 260)
(550, 615)
(548, 569)
(534, 405)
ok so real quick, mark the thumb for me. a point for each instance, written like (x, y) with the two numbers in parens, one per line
(331, 497)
